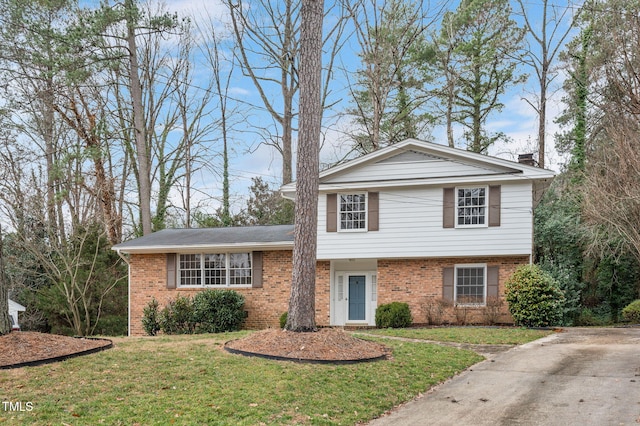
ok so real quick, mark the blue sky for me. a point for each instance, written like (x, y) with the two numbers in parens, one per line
(517, 120)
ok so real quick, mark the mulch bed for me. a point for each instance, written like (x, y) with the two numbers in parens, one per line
(24, 347)
(327, 344)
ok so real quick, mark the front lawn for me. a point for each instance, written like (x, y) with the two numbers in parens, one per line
(472, 335)
(186, 380)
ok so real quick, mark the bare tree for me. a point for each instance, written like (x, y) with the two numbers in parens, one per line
(547, 37)
(612, 171)
(5, 323)
(301, 315)
(267, 37)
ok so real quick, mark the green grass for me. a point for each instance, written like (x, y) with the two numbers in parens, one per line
(185, 380)
(472, 335)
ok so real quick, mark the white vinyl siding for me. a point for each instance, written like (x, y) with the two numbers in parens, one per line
(411, 226)
(429, 169)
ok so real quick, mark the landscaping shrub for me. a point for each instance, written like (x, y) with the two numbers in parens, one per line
(632, 312)
(436, 310)
(283, 319)
(492, 310)
(393, 315)
(151, 318)
(534, 297)
(177, 317)
(217, 311)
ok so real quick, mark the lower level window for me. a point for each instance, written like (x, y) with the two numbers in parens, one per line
(215, 269)
(470, 284)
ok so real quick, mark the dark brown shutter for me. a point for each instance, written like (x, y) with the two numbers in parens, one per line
(447, 284)
(372, 214)
(171, 270)
(332, 212)
(448, 208)
(494, 205)
(256, 269)
(492, 281)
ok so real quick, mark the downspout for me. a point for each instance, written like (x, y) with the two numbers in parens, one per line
(128, 290)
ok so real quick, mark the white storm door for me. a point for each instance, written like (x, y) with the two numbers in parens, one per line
(340, 300)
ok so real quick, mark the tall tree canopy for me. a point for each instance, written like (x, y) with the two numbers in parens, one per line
(482, 43)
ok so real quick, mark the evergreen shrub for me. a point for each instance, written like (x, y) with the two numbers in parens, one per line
(177, 317)
(393, 315)
(218, 311)
(151, 317)
(534, 297)
(632, 312)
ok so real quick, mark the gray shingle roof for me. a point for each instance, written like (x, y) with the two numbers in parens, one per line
(274, 236)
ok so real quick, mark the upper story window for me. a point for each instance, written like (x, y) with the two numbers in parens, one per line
(216, 269)
(471, 204)
(353, 212)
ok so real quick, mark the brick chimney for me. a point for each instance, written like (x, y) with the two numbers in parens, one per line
(526, 159)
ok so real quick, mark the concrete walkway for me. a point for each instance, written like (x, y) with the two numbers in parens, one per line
(579, 376)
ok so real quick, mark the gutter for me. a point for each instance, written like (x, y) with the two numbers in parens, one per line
(128, 290)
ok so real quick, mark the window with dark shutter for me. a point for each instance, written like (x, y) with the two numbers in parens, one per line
(494, 205)
(256, 269)
(447, 284)
(492, 281)
(332, 212)
(448, 208)
(373, 209)
(171, 271)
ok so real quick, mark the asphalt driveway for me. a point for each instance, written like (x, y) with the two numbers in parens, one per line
(580, 376)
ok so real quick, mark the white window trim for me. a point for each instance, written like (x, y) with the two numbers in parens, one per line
(228, 284)
(486, 207)
(366, 212)
(455, 283)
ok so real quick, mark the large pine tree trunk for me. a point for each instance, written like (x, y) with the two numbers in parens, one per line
(302, 302)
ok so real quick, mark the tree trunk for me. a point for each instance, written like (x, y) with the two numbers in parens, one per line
(5, 324)
(142, 152)
(302, 302)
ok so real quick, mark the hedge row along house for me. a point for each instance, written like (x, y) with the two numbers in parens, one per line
(415, 222)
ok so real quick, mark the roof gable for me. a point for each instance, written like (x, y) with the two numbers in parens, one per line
(414, 162)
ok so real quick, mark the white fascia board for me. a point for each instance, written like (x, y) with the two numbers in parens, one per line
(342, 186)
(204, 248)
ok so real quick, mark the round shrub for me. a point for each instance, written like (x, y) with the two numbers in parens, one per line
(534, 297)
(632, 312)
(177, 317)
(393, 315)
(217, 311)
(151, 318)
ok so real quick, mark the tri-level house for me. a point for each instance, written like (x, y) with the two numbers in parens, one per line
(415, 222)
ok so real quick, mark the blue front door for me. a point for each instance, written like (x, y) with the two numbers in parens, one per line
(357, 298)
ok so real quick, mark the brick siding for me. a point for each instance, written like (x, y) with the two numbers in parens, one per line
(415, 281)
(418, 282)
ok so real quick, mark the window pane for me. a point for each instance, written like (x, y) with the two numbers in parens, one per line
(353, 211)
(215, 272)
(240, 269)
(471, 206)
(190, 269)
(470, 285)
